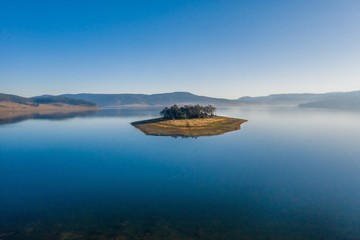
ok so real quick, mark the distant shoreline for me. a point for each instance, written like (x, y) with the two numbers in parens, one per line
(9, 110)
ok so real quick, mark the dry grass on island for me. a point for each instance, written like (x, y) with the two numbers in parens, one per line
(189, 127)
(189, 121)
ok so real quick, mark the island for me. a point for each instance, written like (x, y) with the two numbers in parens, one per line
(189, 121)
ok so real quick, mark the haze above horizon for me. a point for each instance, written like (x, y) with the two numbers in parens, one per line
(223, 49)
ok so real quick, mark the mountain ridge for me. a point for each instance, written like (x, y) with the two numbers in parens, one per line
(43, 99)
(158, 99)
(338, 100)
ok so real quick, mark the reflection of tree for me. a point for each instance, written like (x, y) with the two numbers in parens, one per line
(182, 136)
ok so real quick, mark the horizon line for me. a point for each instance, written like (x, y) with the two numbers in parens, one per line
(200, 95)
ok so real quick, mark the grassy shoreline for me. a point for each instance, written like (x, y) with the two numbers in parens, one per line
(189, 127)
(10, 110)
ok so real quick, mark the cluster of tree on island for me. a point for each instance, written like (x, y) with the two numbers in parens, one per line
(188, 112)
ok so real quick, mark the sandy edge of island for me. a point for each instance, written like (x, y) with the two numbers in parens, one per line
(189, 127)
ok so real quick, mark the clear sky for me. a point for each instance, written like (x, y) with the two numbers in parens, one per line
(218, 48)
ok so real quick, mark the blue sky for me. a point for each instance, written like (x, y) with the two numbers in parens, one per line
(216, 48)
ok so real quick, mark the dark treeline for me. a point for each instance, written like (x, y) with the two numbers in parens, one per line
(188, 112)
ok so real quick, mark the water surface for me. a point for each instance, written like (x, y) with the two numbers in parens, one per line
(287, 174)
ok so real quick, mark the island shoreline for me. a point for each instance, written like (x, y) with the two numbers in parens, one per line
(198, 127)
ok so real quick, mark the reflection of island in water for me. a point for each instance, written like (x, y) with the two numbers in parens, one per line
(13, 117)
(189, 127)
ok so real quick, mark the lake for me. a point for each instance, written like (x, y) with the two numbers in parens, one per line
(287, 174)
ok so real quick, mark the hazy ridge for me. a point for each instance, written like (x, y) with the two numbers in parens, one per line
(150, 99)
(44, 99)
(337, 100)
(324, 100)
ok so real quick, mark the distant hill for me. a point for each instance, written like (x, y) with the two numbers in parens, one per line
(286, 100)
(48, 99)
(306, 100)
(151, 99)
(45, 99)
(350, 100)
(16, 99)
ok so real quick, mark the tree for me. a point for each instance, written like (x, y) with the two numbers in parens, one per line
(188, 112)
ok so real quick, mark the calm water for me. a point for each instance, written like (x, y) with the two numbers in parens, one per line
(287, 174)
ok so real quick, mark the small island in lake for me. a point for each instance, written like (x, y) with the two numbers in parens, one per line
(189, 121)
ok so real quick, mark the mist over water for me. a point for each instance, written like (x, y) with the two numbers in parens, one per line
(287, 174)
